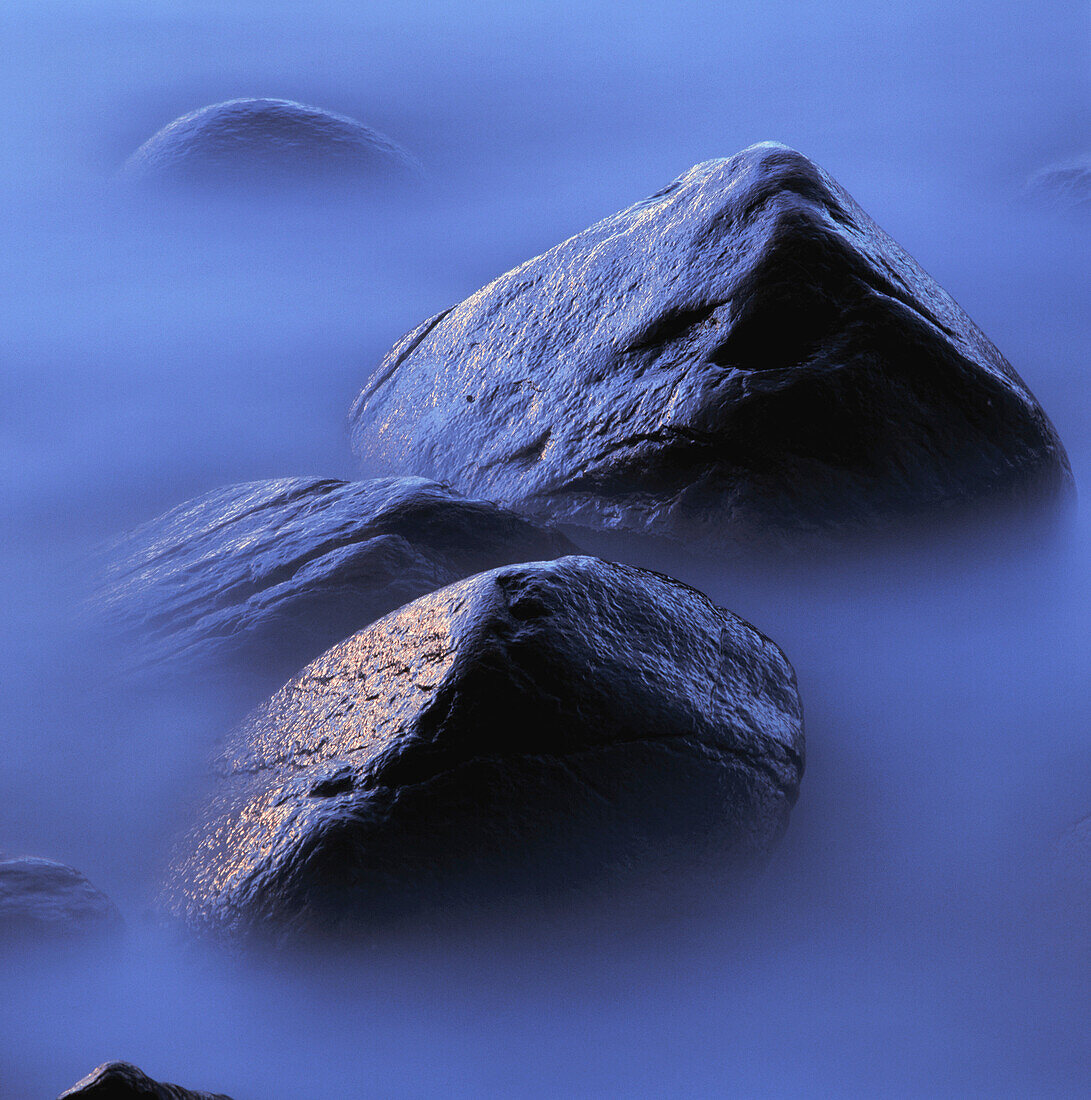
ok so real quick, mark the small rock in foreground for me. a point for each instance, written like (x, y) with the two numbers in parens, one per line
(122, 1081)
(532, 733)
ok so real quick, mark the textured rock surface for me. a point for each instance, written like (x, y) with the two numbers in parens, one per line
(43, 899)
(122, 1081)
(271, 573)
(266, 139)
(536, 730)
(743, 357)
(1065, 186)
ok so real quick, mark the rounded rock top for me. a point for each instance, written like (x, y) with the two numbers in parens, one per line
(40, 898)
(526, 738)
(267, 139)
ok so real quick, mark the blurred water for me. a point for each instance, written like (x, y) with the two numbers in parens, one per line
(905, 942)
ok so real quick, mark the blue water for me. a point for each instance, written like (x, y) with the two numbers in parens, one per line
(908, 940)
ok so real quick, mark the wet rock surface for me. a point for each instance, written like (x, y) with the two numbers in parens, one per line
(533, 732)
(47, 901)
(266, 141)
(123, 1081)
(262, 577)
(744, 358)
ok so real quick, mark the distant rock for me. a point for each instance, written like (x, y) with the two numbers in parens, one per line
(122, 1081)
(267, 141)
(43, 900)
(742, 360)
(1063, 186)
(1072, 857)
(265, 576)
(528, 734)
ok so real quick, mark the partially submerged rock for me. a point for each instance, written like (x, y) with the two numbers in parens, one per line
(266, 141)
(263, 577)
(45, 901)
(1063, 186)
(1072, 858)
(533, 732)
(122, 1081)
(743, 358)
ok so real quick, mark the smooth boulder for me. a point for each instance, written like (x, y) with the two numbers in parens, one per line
(263, 577)
(534, 734)
(123, 1081)
(45, 901)
(744, 359)
(266, 141)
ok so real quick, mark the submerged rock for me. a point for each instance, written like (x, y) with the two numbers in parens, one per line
(531, 733)
(262, 577)
(743, 358)
(43, 900)
(1063, 186)
(121, 1080)
(266, 140)
(1072, 858)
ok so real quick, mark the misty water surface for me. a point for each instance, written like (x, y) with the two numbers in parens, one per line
(909, 939)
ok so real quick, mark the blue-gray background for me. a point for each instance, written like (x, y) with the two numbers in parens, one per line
(905, 942)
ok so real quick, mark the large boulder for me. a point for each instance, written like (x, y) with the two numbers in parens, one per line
(123, 1081)
(266, 141)
(743, 358)
(261, 578)
(45, 901)
(539, 732)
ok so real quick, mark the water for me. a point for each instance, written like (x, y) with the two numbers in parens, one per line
(908, 939)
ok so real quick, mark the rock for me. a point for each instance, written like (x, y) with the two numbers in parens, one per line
(266, 141)
(262, 577)
(1072, 858)
(43, 900)
(535, 734)
(122, 1081)
(743, 359)
(1063, 186)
